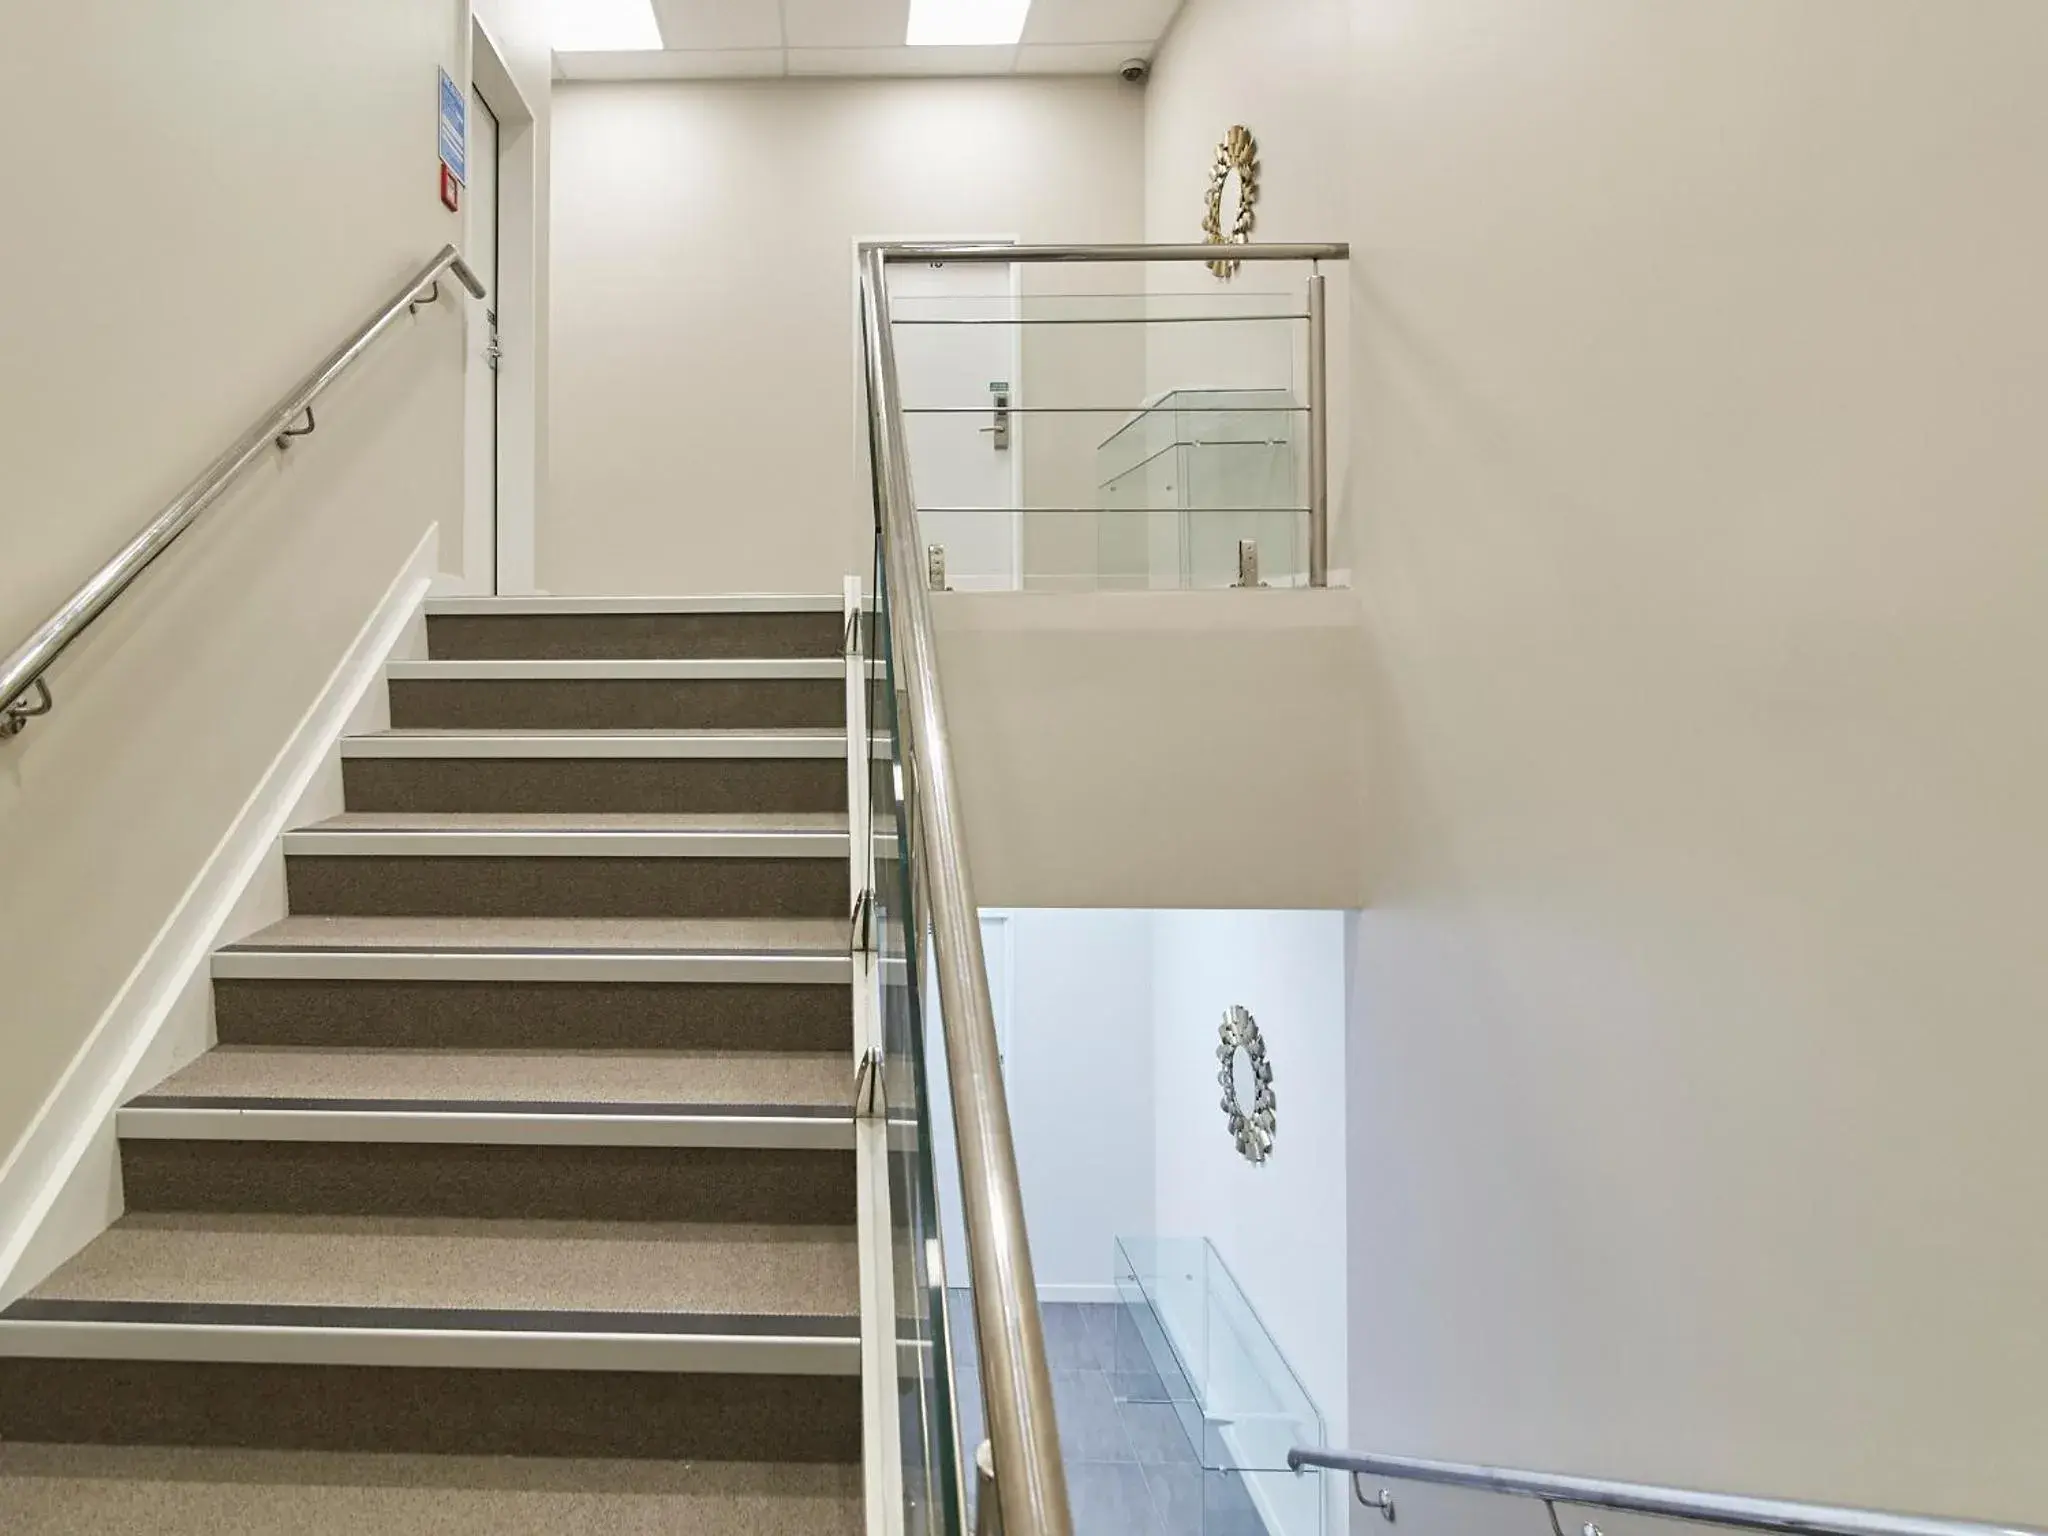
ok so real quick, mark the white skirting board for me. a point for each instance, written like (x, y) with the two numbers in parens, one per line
(61, 1185)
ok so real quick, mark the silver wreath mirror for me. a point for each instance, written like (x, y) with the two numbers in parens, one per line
(1233, 199)
(1247, 1078)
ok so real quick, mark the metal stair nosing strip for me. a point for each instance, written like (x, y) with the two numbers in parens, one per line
(256, 1333)
(586, 607)
(458, 745)
(802, 669)
(794, 1127)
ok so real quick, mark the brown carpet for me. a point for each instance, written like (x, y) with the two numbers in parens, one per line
(354, 1261)
(548, 1077)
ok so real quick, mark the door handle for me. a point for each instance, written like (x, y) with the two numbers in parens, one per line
(1001, 430)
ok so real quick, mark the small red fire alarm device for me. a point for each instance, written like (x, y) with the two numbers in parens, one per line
(451, 191)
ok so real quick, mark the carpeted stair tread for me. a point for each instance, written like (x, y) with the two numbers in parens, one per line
(60, 1490)
(582, 821)
(274, 1259)
(762, 1078)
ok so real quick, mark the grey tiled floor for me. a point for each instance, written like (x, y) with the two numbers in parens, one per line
(1131, 1469)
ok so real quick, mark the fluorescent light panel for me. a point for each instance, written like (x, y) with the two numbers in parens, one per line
(967, 23)
(603, 26)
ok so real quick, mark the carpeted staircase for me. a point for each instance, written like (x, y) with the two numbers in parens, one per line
(518, 1193)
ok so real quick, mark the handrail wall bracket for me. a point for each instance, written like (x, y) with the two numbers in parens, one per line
(23, 672)
(284, 438)
(1731, 1511)
(21, 711)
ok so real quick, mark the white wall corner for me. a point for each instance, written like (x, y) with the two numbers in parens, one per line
(60, 1186)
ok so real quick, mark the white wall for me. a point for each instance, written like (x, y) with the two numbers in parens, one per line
(200, 202)
(1108, 1021)
(1075, 1020)
(1158, 749)
(1279, 68)
(705, 435)
(1699, 358)
(1279, 1228)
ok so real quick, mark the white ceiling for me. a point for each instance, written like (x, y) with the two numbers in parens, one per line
(739, 39)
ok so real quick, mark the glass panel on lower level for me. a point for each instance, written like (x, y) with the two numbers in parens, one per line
(1207, 1380)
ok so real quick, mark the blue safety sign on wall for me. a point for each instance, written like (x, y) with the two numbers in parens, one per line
(454, 130)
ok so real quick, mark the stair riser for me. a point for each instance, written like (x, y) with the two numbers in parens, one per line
(596, 704)
(644, 1416)
(375, 886)
(636, 637)
(532, 1183)
(566, 786)
(527, 1016)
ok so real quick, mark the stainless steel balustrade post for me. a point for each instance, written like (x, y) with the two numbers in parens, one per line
(1318, 431)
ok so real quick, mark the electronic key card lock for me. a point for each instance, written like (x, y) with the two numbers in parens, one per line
(999, 393)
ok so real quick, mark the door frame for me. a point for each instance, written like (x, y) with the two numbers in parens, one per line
(507, 551)
(1019, 424)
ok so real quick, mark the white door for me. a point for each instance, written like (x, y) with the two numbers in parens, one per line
(480, 473)
(953, 352)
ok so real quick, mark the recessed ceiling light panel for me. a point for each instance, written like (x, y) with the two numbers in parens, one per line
(966, 23)
(603, 26)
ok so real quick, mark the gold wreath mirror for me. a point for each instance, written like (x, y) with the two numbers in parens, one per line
(1237, 161)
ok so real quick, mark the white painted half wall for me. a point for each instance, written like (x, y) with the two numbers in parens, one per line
(707, 433)
(246, 184)
(1142, 750)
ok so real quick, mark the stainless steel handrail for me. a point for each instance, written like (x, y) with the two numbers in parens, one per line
(1329, 251)
(1317, 316)
(1030, 1478)
(1025, 1476)
(1722, 1509)
(23, 671)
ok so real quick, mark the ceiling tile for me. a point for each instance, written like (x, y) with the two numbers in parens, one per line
(676, 64)
(902, 61)
(1078, 58)
(1099, 21)
(694, 24)
(846, 23)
